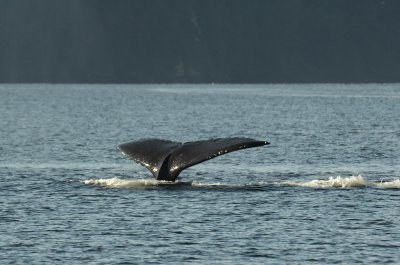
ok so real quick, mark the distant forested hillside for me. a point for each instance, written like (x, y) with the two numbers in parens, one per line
(222, 41)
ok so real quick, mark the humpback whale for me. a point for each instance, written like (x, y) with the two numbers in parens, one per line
(166, 159)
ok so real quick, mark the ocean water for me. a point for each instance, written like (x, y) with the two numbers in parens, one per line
(326, 190)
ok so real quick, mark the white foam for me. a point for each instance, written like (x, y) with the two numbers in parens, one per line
(338, 182)
(346, 182)
(394, 184)
(122, 183)
(136, 183)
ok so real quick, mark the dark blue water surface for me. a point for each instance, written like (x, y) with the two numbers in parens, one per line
(326, 190)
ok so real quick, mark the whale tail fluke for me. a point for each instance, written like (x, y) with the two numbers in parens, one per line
(166, 159)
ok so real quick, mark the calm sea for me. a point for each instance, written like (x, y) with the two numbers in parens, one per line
(326, 190)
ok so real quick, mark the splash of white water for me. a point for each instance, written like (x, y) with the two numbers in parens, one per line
(136, 183)
(122, 183)
(346, 182)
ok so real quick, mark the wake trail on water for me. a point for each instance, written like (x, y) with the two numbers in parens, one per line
(332, 182)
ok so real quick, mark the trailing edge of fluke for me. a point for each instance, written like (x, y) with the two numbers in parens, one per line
(166, 159)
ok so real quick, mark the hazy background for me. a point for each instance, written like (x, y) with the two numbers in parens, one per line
(159, 41)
